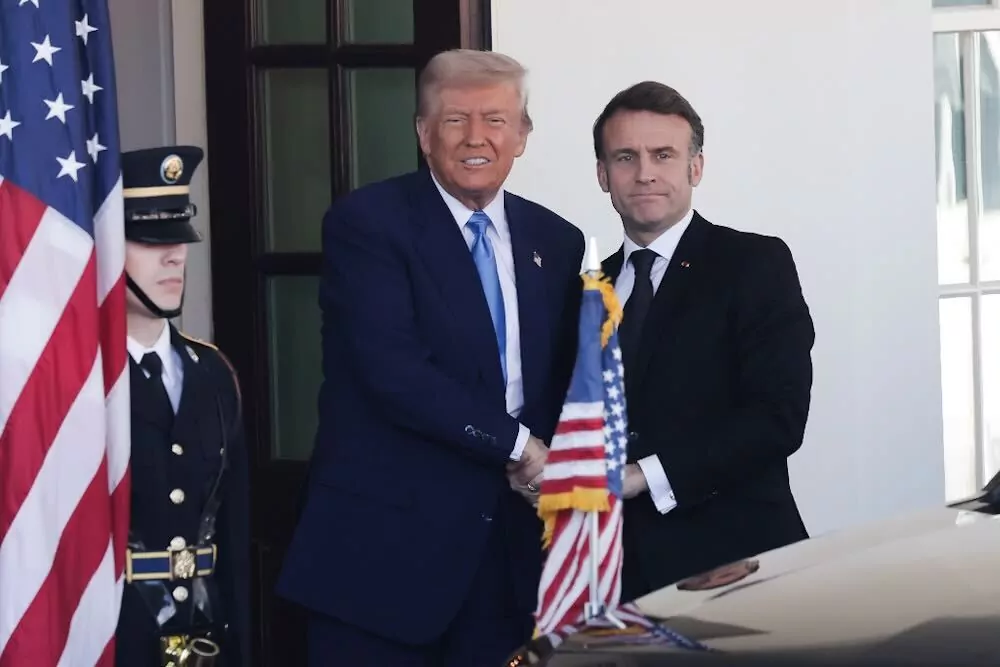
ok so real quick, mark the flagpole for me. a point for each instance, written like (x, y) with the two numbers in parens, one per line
(595, 609)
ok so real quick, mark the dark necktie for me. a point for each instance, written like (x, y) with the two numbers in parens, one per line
(153, 365)
(637, 306)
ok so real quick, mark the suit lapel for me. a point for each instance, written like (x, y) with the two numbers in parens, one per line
(446, 256)
(196, 411)
(612, 266)
(671, 295)
(531, 297)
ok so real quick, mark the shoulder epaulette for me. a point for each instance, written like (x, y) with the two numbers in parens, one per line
(225, 359)
(187, 336)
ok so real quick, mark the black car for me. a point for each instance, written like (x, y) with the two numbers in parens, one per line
(922, 589)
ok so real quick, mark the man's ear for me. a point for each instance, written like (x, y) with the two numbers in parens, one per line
(423, 135)
(602, 175)
(696, 169)
(522, 142)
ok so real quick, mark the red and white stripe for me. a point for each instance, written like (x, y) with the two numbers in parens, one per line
(64, 433)
(577, 459)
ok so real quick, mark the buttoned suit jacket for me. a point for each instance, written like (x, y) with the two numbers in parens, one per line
(720, 391)
(410, 457)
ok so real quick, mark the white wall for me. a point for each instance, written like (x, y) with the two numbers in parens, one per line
(191, 129)
(819, 129)
(159, 68)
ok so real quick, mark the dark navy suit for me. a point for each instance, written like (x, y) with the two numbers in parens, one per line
(409, 518)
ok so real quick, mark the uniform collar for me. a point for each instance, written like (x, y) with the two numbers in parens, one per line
(162, 347)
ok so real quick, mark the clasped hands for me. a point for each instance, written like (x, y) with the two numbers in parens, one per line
(525, 476)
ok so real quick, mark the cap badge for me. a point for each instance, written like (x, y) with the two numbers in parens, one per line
(171, 169)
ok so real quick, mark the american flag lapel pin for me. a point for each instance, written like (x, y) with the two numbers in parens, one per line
(537, 259)
(192, 353)
(685, 264)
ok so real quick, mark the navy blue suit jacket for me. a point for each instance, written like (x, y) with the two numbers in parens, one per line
(409, 463)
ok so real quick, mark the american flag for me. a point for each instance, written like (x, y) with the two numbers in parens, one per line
(584, 470)
(64, 393)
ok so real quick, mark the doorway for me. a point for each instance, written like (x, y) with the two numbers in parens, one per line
(307, 100)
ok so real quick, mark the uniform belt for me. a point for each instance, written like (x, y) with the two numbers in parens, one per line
(170, 565)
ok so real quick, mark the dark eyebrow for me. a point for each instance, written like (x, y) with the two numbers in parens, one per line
(654, 151)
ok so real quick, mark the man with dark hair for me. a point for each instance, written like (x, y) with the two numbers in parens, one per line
(716, 339)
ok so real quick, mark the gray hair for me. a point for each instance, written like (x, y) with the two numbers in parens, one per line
(468, 67)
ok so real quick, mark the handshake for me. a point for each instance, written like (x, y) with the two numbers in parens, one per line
(525, 476)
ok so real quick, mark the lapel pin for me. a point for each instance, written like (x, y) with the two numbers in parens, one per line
(537, 259)
(685, 264)
(191, 353)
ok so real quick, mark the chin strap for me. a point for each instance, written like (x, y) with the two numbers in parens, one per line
(146, 301)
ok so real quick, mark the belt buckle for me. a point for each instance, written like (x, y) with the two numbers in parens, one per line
(183, 563)
(188, 651)
(172, 648)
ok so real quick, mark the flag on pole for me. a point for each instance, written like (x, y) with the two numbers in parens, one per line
(64, 393)
(583, 473)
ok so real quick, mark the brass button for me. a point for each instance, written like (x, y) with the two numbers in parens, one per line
(180, 594)
(178, 543)
(177, 496)
(176, 449)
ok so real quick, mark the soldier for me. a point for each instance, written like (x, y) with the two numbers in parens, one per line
(186, 597)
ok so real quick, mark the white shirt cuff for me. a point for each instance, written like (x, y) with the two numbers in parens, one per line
(522, 439)
(659, 487)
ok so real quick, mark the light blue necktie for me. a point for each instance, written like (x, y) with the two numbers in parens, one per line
(486, 265)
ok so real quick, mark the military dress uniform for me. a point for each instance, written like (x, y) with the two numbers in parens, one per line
(186, 598)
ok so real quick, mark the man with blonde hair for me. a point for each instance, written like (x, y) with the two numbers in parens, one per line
(449, 316)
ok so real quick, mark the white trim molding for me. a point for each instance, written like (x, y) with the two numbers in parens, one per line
(961, 19)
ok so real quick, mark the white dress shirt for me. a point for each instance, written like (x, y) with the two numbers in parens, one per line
(173, 365)
(499, 236)
(664, 246)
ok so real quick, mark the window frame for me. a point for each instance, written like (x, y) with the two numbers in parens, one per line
(967, 21)
(963, 19)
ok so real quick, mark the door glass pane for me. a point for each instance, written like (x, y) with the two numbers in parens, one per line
(295, 363)
(989, 124)
(957, 397)
(949, 134)
(383, 140)
(291, 22)
(296, 141)
(990, 359)
(377, 21)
